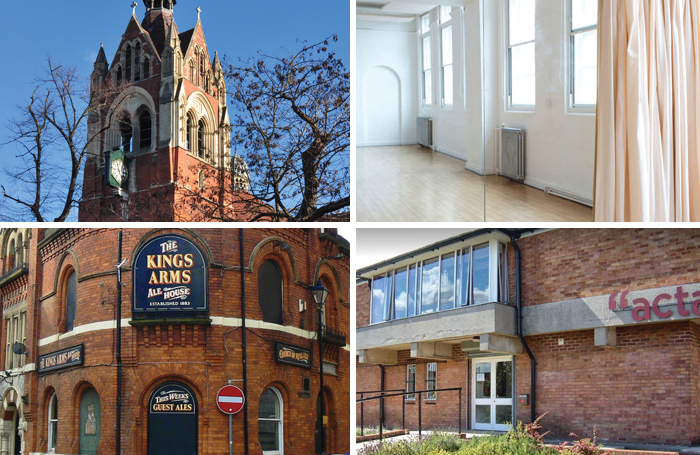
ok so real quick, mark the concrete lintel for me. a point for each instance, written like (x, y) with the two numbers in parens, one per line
(379, 356)
(470, 346)
(431, 350)
(493, 342)
(605, 337)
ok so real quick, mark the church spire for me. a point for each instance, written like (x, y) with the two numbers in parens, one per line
(159, 4)
(101, 63)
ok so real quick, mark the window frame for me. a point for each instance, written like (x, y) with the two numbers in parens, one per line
(411, 381)
(445, 25)
(278, 270)
(431, 383)
(70, 274)
(15, 332)
(426, 73)
(571, 55)
(510, 106)
(52, 433)
(497, 250)
(280, 422)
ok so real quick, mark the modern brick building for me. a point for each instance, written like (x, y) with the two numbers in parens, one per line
(197, 308)
(166, 108)
(608, 317)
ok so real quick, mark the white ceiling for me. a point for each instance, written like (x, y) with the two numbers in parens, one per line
(397, 10)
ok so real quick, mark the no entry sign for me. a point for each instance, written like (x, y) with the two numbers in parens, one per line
(230, 399)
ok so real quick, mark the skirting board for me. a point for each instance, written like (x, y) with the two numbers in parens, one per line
(542, 185)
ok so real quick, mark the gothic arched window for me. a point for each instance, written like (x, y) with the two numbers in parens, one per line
(200, 139)
(128, 63)
(71, 300)
(127, 132)
(146, 68)
(137, 62)
(120, 75)
(145, 130)
(189, 133)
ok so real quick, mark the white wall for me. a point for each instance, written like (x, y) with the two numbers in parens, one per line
(387, 91)
(560, 143)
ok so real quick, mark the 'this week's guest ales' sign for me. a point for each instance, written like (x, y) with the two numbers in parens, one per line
(170, 276)
(64, 358)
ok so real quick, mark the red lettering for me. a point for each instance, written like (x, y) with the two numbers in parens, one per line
(657, 310)
(623, 300)
(612, 304)
(643, 308)
(696, 304)
(680, 295)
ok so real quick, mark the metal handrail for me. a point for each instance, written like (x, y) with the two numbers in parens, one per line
(420, 407)
(381, 408)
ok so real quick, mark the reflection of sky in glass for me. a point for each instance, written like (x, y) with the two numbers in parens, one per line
(481, 274)
(412, 291)
(431, 280)
(400, 296)
(378, 298)
(447, 282)
(464, 278)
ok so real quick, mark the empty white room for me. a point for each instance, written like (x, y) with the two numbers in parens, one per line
(527, 110)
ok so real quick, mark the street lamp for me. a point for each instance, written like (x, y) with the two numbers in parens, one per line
(320, 294)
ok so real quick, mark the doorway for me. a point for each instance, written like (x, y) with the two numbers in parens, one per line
(172, 420)
(492, 393)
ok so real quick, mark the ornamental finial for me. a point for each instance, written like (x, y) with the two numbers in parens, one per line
(199, 11)
(133, 5)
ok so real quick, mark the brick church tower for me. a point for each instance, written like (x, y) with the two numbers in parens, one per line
(166, 110)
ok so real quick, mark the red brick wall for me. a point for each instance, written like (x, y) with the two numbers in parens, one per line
(203, 357)
(363, 293)
(635, 392)
(570, 263)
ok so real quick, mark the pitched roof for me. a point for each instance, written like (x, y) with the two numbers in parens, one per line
(157, 23)
(185, 38)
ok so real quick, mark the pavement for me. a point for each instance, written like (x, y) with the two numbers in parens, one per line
(684, 450)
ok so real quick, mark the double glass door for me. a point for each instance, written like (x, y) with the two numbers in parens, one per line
(492, 393)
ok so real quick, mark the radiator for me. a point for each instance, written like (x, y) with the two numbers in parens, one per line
(513, 153)
(424, 132)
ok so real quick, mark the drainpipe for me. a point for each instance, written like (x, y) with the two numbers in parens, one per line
(119, 343)
(533, 363)
(243, 340)
(381, 402)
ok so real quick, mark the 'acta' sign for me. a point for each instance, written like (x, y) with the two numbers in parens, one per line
(170, 275)
(643, 309)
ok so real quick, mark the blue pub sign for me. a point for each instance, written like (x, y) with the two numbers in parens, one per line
(170, 278)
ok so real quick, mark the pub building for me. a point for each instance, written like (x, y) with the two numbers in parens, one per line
(150, 341)
(594, 327)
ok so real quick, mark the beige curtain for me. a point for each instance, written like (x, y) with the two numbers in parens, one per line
(648, 136)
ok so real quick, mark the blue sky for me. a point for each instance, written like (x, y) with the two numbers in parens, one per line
(71, 32)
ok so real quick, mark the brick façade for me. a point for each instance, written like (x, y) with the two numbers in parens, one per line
(646, 389)
(203, 357)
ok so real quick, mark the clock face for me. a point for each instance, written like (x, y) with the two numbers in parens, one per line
(119, 171)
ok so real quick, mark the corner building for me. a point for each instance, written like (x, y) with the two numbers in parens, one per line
(197, 311)
(607, 317)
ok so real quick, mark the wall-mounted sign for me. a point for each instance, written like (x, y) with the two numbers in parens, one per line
(644, 306)
(292, 355)
(330, 368)
(170, 276)
(172, 399)
(60, 359)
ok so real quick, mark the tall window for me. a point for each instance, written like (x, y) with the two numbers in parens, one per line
(126, 131)
(431, 382)
(128, 63)
(270, 422)
(410, 382)
(71, 298)
(189, 133)
(16, 332)
(145, 130)
(137, 62)
(146, 68)
(521, 53)
(120, 75)
(427, 56)
(200, 139)
(53, 423)
(270, 292)
(446, 67)
(583, 53)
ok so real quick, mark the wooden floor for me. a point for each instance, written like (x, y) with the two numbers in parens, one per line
(411, 183)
